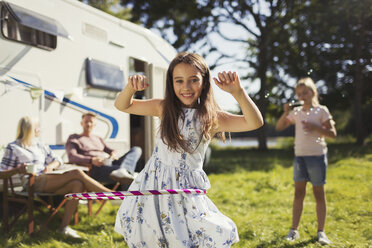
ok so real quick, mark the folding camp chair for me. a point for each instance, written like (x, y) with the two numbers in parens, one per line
(101, 202)
(12, 193)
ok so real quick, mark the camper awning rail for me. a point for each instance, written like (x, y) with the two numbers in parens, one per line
(35, 20)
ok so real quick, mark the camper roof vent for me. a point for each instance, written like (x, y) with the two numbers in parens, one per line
(94, 32)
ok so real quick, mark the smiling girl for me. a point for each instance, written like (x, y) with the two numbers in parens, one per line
(190, 117)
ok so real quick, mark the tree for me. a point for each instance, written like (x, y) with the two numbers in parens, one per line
(284, 40)
(111, 7)
(186, 22)
(335, 42)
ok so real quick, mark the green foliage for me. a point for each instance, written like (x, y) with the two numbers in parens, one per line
(111, 7)
(181, 22)
(285, 142)
(330, 42)
(284, 40)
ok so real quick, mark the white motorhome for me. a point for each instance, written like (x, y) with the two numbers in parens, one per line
(60, 58)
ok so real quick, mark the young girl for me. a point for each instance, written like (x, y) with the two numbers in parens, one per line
(189, 117)
(313, 122)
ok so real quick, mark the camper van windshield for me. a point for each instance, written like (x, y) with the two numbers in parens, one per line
(35, 20)
(104, 76)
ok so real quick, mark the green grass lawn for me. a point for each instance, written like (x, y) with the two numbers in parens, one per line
(255, 189)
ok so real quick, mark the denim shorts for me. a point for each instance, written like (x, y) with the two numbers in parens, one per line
(310, 168)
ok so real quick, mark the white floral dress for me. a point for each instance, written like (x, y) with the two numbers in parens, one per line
(175, 221)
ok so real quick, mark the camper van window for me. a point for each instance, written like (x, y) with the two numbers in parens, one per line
(137, 66)
(13, 30)
(104, 76)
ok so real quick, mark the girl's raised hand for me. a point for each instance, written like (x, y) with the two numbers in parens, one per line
(286, 108)
(228, 81)
(138, 82)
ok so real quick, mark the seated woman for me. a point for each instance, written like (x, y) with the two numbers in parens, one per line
(27, 149)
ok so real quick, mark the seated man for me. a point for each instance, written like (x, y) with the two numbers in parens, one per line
(90, 150)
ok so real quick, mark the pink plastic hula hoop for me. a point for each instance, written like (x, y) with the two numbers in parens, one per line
(119, 195)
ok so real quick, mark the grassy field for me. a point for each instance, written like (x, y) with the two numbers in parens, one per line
(255, 189)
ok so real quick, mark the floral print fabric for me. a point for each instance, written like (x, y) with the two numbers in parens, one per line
(175, 220)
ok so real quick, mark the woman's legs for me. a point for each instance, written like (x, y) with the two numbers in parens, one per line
(299, 196)
(321, 206)
(71, 182)
(73, 186)
(55, 182)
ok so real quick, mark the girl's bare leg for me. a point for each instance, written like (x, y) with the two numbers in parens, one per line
(299, 196)
(321, 206)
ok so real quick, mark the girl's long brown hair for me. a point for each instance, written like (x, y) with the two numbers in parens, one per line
(207, 108)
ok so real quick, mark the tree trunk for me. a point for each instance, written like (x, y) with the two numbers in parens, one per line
(359, 125)
(262, 68)
(261, 134)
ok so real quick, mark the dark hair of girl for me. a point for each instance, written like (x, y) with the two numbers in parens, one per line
(207, 108)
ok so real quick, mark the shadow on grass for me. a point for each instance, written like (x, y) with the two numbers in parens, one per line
(285, 244)
(93, 229)
(337, 152)
(18, 238)
(233, 159)
(229, 160)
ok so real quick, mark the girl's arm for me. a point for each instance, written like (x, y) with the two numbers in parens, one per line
(125, 102)
(251, 118)
(283, 121)
(327, 128)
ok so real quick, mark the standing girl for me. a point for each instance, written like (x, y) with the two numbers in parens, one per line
(190, 117)
(312, 123)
